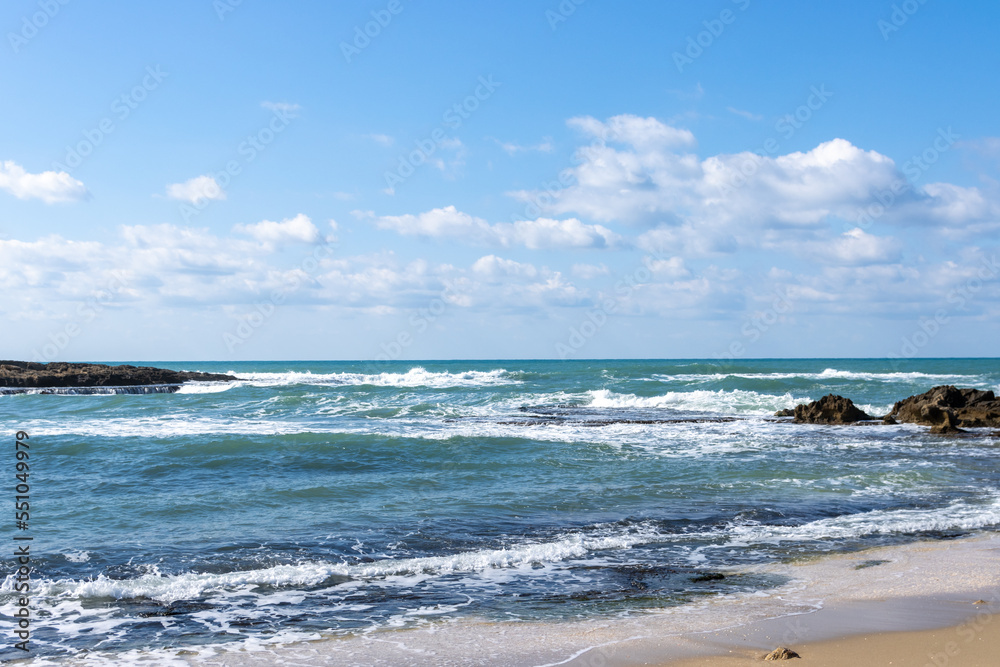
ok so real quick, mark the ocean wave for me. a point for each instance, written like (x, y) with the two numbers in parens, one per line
(415, 377)
(959, 515)
(187, 586)
(726, 402)
(206, 387)
(827, 374)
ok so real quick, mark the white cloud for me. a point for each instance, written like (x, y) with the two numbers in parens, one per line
(511, 148)
(745, 114)
(640, 171)
(283, 108)
(50, 186)
(537, 234)
(856, 248)
(548, 233)
(299, 229)
(672, 268)
(589, 271)
(381, 139)
(492, 266)
(197, 189)
(633, 130)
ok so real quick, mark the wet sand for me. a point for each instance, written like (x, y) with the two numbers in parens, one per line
(894, 605)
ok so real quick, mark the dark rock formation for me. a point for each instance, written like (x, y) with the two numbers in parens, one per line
(787, 412)
(26, 374)
(830, 409)
(947, 409)
(782, 653)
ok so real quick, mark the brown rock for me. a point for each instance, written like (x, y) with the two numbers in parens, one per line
(27, 374)
(947, 409)
(787, 412)
(830, 409)
(782, 653)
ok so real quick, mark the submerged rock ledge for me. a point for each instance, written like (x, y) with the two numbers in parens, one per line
(946, 409)
(31, 375)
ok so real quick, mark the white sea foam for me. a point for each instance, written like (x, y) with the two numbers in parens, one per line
(205, 387)
(959, 515)
(170, 588)
(827, 374)
(415, 377)
(724, 402)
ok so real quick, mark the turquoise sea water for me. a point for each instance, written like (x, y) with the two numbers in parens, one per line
(318, 498)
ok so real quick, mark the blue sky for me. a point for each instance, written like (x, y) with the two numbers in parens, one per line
(728, 179)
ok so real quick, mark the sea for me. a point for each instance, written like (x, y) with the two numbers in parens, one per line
(329, 499)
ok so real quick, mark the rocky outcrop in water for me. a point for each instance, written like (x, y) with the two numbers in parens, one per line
(830, 409)
(946, 409)
(31, 375)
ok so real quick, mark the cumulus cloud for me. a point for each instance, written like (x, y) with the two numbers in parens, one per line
(543, 233)
(50, 186)
(857, 248)
(197, 189)
(492, 266)
(299, 229)
(643, 172)
(633, 130)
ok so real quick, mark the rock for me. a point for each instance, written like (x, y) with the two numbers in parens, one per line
(888, 420)
(787, 412)
(830, 409)
(26, 374)
(941, 420)
(782, 653)
(947, 409)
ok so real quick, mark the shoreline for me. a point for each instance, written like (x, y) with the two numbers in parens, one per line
(921, 587)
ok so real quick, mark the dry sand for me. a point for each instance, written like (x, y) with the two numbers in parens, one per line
(975, 643)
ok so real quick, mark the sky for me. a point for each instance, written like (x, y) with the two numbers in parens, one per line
(400, 180)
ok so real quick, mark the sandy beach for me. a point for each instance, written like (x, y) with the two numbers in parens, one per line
(923, 603)
(975, 643)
